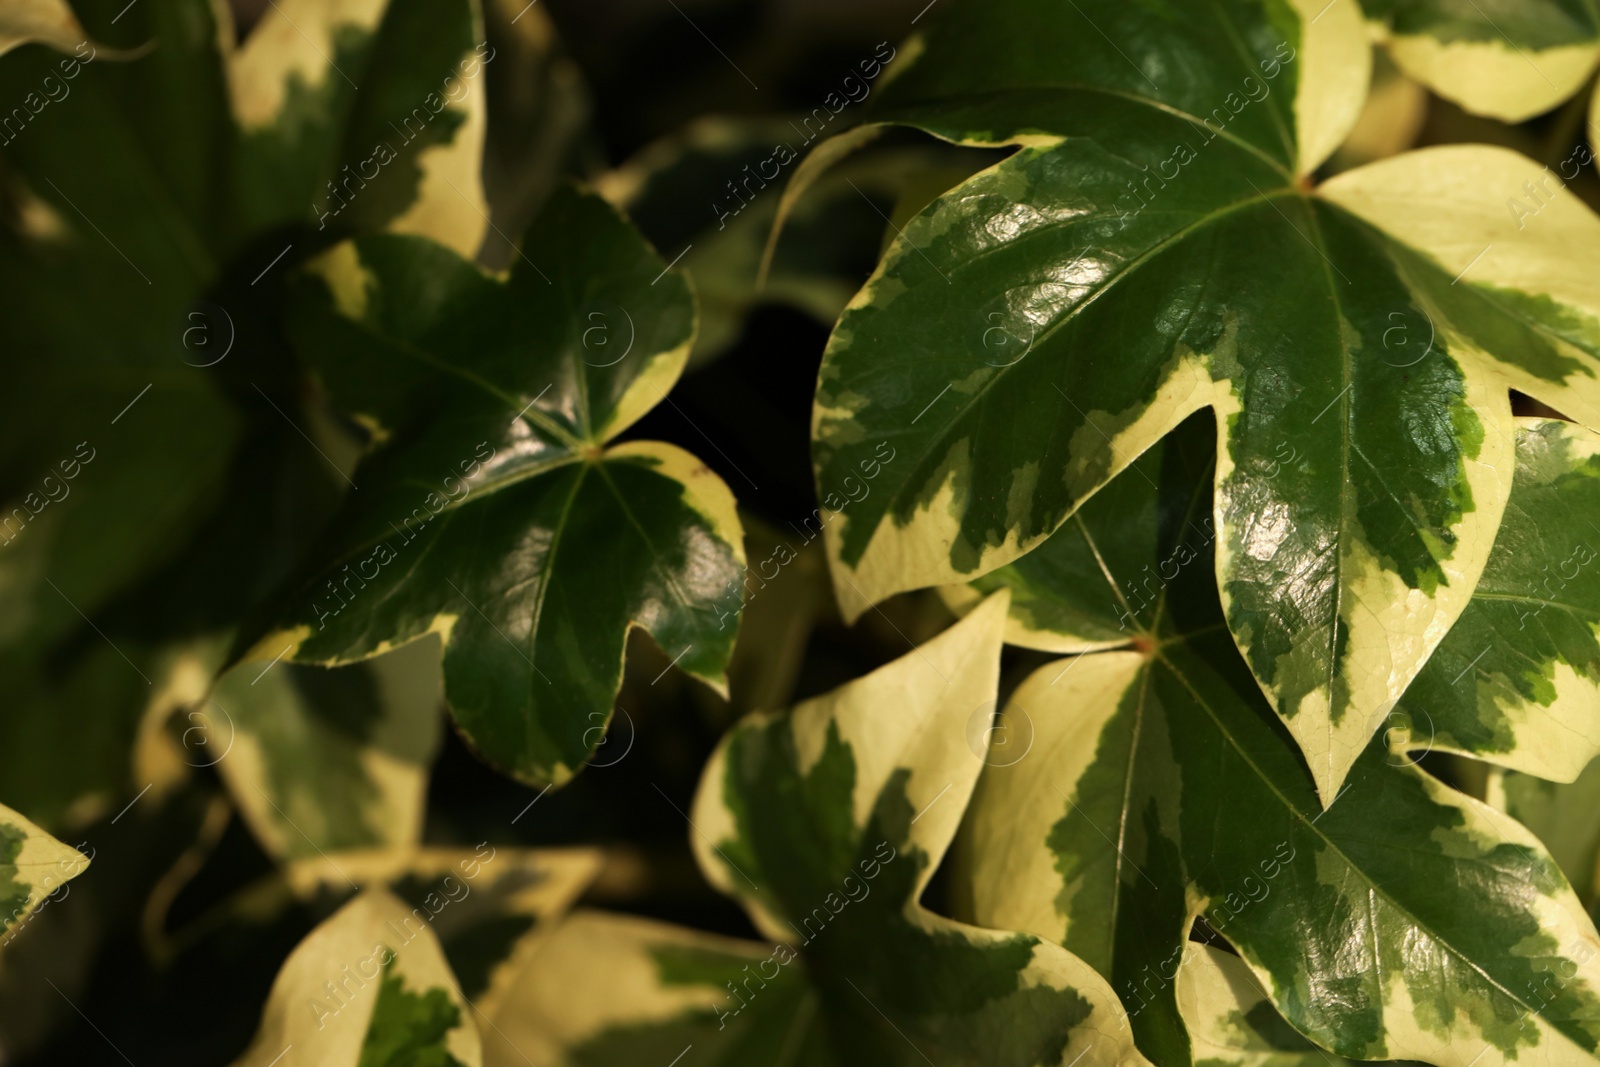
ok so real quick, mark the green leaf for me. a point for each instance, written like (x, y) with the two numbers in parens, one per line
(491, 907)
(1231, 1022)
(364, 116)
(614, 991)
(1517, 680)
(117, 167)
(1155, 785)
(1107, 573)
(827, 823)
(325, 760)
(491, 511)
(1507, 60)
(1151, 249)
(541, 121)
(1566, 818)
(409, 1029)
(368, 987)
(32, 866)
(703, 189)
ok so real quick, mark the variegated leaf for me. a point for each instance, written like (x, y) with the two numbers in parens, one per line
(1403, 920)
(1509, 59)
(1151, 249)
(1407, 921)
(357, 115)
(1231, 1022)
(49, 21)
(492, 510)
(325, 760)
(1565, 816)
(367, 988)
(1154, 786)
(32, 866)
(827, 823)
(1517, 680)
(615, 991)
(489, 906)
(1105, 577)
(829, 239)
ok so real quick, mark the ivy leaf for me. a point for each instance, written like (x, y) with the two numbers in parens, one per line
(1566, 818)
(32, 866)
(1517, 680)
(1151, 249)
(1107, 573)
(367, 988)
(409, 1029)
(362, 117)
(104, 411)
(324, 761)
(490, 907)
(492, 511)
(827, 823)
(1509, 61)
(831, 238)
(1231, 1022)
(1402, 920)
(613, 991)
(50, 21)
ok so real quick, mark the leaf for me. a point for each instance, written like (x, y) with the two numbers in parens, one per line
(1566, 818)
(1594, 120)
(409, 1029)
(32, 866)
(827, 823)
(1152, 249)
(492, 417)
(541, 122)
(364, 115)
(323, 761)
(831, 239)
(490, 906)
(1103, 577)
(1517, 680)
(1509, 61)
(121, 177)
(367, 988)
(613, 990)
(49, 21)
(1230, 1020)
(1155, 785)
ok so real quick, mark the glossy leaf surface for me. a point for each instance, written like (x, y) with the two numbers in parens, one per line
(491, 510)
(1405, 920)
(1517, 680)
(1151, 250)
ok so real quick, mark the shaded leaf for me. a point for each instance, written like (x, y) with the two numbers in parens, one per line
(367, 988)
(491, 511)
(827, 823)
(1506, 60)
(326, 760)
(612, 990)
(362, 115)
